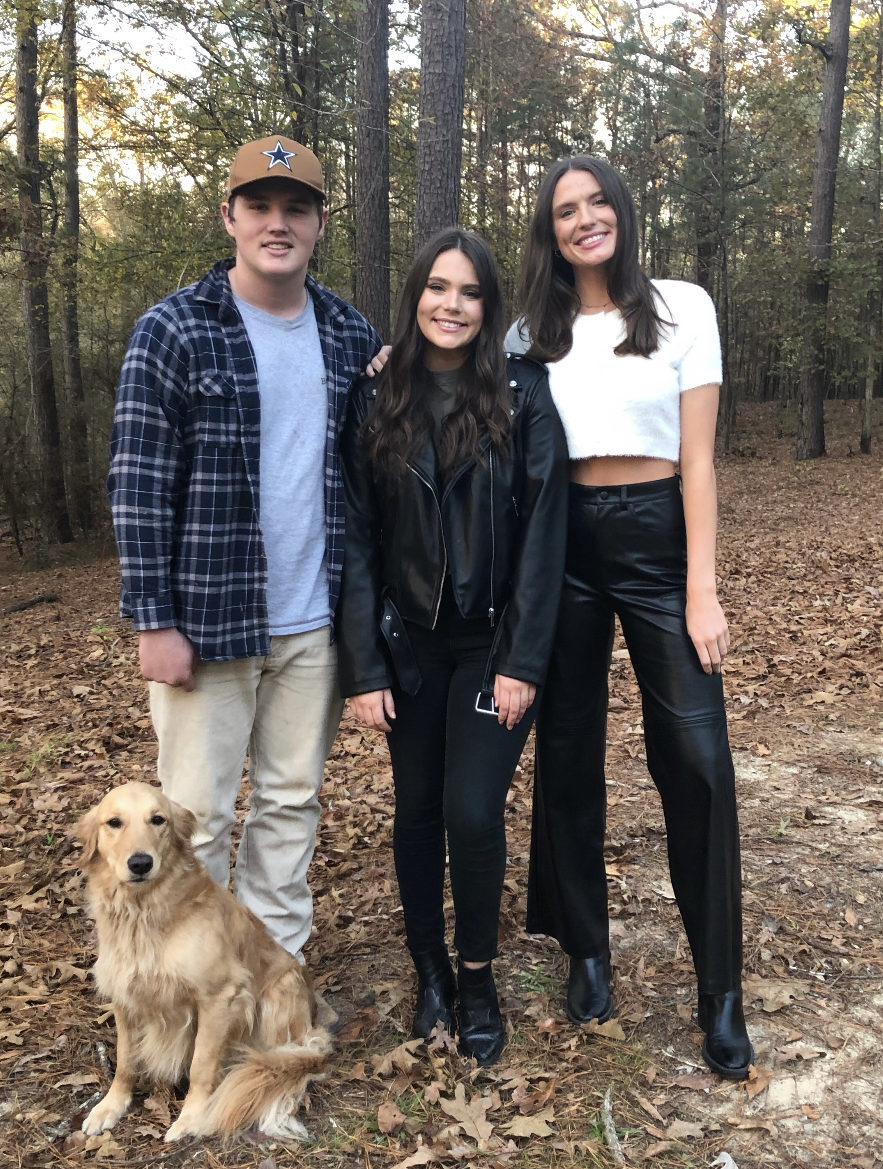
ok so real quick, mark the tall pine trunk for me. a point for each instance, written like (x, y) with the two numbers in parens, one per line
(35, 298)
(440, 117)
(811, 393)
(73, 372)
(372, 163)
(875, 296)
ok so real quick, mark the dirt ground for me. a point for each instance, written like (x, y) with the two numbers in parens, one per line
(800, 559)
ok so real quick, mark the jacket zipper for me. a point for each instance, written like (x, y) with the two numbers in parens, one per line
(490, 612)
(441, 529)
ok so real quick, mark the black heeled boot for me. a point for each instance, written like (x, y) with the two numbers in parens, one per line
(482, 1031)
(589, 994)
(436, 990)
(727, 1049)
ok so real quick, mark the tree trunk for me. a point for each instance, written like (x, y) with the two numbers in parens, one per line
(315, 87)
(73, 373)
(372, 163)
(708, 205)
(290, 55)
(875, 297)
(811, 393)
(35, 299)
(712, 247)
(440, 117)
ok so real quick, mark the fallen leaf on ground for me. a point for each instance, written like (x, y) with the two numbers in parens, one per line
(472, 1114)
(798, 1051)
(76, 1080)
(401, 1058)
(103, 1145)
(649, 1107)
(74, 1143)
(748, 1125)
(680, 1130)
(531, 1126)
(609, 1030)
(421, 1156)
(389, 1117)
(758, 1081)
(695, 1081)
(774, 993)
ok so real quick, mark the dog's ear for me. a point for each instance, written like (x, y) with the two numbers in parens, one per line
(183, 824)
(86, 830)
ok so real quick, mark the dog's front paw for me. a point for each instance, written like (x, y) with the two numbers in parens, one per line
(187, 1125)
(104, 1115)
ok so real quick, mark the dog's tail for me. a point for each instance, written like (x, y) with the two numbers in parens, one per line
(266, 1088)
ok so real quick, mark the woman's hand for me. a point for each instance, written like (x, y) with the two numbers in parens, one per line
(378, 361)
(374, 709)
(707, 627)
(513, 697)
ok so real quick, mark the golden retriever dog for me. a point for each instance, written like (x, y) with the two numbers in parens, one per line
(198, 986)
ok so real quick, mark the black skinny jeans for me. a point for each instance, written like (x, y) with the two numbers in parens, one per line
(452, 768)
(626, 554)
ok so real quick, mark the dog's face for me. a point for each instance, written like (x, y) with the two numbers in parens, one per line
(135, 831)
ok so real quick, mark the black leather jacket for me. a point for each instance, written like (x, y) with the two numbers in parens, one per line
(497, 528)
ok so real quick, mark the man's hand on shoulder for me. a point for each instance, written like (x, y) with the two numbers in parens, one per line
(166, 655)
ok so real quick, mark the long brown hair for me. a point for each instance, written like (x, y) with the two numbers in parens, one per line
(399, 422)
(549, 300)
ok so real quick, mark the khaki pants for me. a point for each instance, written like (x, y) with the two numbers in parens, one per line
(284, 710)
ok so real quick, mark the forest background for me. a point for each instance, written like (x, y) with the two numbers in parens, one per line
(117, 125)
(128, 115)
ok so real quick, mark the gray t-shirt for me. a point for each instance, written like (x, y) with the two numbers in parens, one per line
(294, 420)
(515, 341)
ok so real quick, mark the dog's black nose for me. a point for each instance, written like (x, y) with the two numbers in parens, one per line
(140, 864)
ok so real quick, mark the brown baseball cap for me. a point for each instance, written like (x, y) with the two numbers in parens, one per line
(275, 157)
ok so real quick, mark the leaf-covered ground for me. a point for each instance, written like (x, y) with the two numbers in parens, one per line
(801, 551)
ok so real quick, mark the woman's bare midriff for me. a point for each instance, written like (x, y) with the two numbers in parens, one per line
(615, 469)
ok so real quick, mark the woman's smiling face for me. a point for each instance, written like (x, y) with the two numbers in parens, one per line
(583, 221)
(450, 310)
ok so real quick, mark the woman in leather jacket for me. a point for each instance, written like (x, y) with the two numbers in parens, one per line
(455, 472)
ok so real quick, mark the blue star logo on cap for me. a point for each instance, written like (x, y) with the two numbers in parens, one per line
(279, 156)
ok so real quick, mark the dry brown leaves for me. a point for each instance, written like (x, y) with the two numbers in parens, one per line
(801, 550)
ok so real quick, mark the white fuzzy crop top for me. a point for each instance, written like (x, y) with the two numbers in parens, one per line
(629, 405)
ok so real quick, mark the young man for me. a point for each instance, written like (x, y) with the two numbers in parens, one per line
(226, 498)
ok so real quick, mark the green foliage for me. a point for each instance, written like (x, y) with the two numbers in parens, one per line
(167, 90)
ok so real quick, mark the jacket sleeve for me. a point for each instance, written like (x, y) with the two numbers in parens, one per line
(361, 652)
(147, 467)
(528, 625)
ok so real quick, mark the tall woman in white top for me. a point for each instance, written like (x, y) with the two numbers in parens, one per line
(635, 370)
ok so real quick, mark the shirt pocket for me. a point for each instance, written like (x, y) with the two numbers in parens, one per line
(217, 411)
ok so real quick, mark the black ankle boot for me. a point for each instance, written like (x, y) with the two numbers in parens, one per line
(727, 1049)
(436, 990)
(589, 995)
(482, 1031)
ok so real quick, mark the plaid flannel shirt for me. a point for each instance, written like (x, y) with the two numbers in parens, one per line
(184, 481)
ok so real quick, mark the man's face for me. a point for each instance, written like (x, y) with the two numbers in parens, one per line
(276, 225)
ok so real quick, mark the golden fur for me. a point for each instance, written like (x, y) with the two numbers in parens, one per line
(198, 986)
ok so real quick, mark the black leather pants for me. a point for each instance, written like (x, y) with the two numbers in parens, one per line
(627, 556)
(452, 768)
